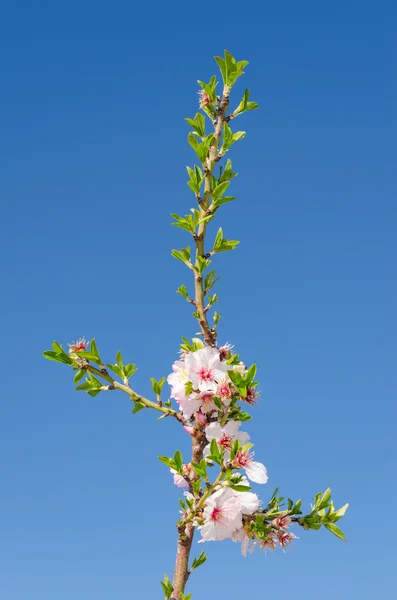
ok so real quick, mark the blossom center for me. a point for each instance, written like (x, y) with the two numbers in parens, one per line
(216, 514)
(205, 374)
(224, 391)
(226, 441)
(242, 459)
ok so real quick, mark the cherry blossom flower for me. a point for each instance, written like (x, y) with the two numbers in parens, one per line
(222, 516)
(81, 344)
(204, 98)
(205, 369)
(178, 380)
(250, 397)
(282, 522)
(179, 480)
(269, 543)
(225, 436)
(207, 402)
(224, 350)
(189, 405)
(285, 538)
(256, 471)
(224, 392)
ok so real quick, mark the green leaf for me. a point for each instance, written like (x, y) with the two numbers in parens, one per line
(192, 139)
(83, 386)
(220, 189)
(224, 200)
(88, 356)
(178, 461)
(119, 359)
(129, 370)
(50, 355)
(182, 291)
(214, 450)
(58, 349)
(167, 461)
(335, 530)
(239, 135)
(240, 488)
(222, 66)
(79, 375)
(199, 469)
(324, 499)
(218, 238)
(116, 369)
(216, 316)
(137, 407)
(197, 562)
(167, 587)
(250, 374)
(338, 514)
(179, 256)
(94, 349)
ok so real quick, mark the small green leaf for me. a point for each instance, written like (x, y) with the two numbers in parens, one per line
(197, 562)
(79, 375)
(338, 514)
(324, 499)
(116, 369)
(178, 461)
(240, 488)
(88, 356)
(335, 530)
(167, 461)
(137, 407)
(50, 355)
(250, 374)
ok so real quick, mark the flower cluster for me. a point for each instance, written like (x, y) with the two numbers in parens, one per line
(207, 383)
(201, 381)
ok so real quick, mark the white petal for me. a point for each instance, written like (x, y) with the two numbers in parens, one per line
(256, 472)
(243, 437)
(231, 428)
(213, 432)
(249, 502)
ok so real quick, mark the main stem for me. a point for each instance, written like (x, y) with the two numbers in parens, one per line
(186, 533)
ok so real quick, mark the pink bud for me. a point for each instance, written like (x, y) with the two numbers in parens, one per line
(202, 419)
(189, 430)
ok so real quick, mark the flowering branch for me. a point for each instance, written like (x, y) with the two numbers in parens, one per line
(210, 384)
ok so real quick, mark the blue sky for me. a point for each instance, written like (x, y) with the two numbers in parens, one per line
(93, 155)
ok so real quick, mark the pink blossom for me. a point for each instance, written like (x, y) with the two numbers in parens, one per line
(283, 521)
(269, 543)
(204, 98)
(222, 516)
(224, 350)
(81, 344)
(205, 369)
(256, 471)
(179, 480)
(285, 538)
(224, 391)
(207, 402)
(250, 397)
(225, 436)
(189, 430)
(202, 419)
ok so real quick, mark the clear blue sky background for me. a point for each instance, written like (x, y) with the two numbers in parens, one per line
(93, 155)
